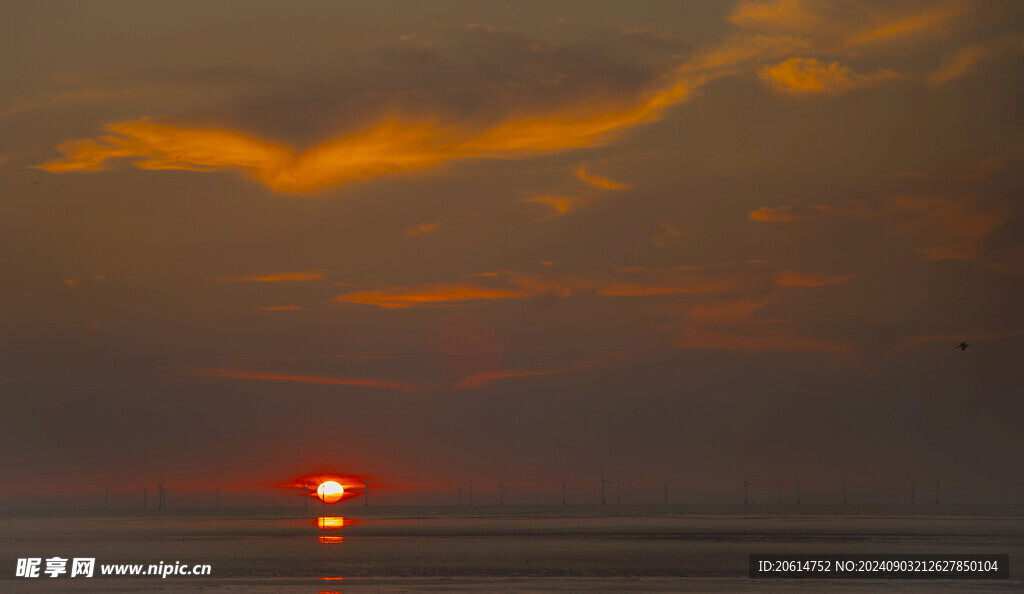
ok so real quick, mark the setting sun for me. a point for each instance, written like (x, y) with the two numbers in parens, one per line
(330, 491)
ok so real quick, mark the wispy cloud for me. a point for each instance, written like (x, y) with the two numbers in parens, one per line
(789, 278)
(789, 214)
(75, 90)
(74, 282)
(935, 226)
(837, 26)
(402, 297)
(480, 380)
(242, 374)
(599, 181)
(413, 139)
(929, 20)
(421, 229)
(729, 311)
(514, 285)
(560, 205)
(280, 308)
(849, 30)
(420, 137)
(666, 232)
(799, 76)
(405, 142)
(967, 58)
(281, 277)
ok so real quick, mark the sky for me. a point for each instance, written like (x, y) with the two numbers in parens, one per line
(444, 243)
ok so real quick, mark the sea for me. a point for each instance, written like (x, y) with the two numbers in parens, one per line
(574, 548)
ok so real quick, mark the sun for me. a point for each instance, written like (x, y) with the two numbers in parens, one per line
(330, 491)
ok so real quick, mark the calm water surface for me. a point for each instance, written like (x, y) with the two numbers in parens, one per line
(573, 548)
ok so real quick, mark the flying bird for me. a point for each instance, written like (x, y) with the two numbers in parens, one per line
(962, 346)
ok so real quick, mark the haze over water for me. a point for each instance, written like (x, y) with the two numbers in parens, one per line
(508, 548)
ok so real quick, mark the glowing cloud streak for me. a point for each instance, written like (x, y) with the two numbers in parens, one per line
(401, 144)
(281, 277)
(596, 180)
(797, 76)
(561, 205)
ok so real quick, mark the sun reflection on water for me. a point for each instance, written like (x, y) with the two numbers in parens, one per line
(330, 524)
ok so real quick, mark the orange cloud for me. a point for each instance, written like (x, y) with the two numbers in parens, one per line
(304, 379)
(282, 277)
(512, 285)
(789, 278)
(421, 229)
(797, 76)
(950, 229)
(601, 182)
(74, 282)
(480, 380)
(790, 214)
(842, 26)
(404, 143)
(735, 55)
(937, 227)
(964, 61)
(933, 19)
(401, 297)
(785, 15)
(727, 312)
(561, 205)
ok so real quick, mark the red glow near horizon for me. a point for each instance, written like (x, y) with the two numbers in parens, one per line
(321, 486)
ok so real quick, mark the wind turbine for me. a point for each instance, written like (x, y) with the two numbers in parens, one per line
(366, 492)
(563, 491)
(460, 496)
(470, 494)
(602, 487)
(746, 484)
(144, 490)
(161, 501)
(798, 481)
(629, 494)
(618, 493)
(666, 484)
(938, 486)
(912, 483)
(845, 485)
(501, 492)
(779, 487)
